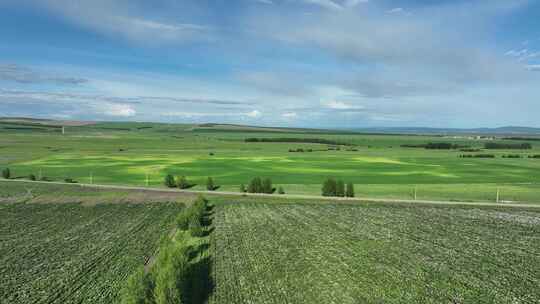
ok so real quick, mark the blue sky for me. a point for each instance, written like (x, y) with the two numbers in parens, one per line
(309, 63)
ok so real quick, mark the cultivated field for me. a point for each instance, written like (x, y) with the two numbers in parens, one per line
(129, 153)
(69, 253)
(340, 253)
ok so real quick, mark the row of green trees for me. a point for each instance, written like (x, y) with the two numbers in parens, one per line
(6, 173)
(175, 277)
(183, 183)
(331, 187)
(260, 185)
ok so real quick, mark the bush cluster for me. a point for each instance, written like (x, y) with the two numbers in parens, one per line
(183, 183)
(511, 156)
(331, 187)
(6, 173)
(534, 156)
(260, 185)
(301, 150)
(477, 156)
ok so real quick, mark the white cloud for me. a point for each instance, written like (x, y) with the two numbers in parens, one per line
(533, 67)
(395, 10)
(328, 4)
(338, 105)
(289, 115)
(125, 20)
(119, 110)
(265, 1)
(253, 114)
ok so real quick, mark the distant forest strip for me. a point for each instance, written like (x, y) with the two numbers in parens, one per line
(297, 140)
(522, 138)
(523, 146)
(435, 146)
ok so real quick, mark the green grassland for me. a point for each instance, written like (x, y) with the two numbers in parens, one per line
(126, 153)
(69, 253)
(374, 253)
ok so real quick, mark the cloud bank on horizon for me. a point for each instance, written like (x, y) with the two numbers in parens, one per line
(307, 63)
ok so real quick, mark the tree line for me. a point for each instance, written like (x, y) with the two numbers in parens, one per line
(338, 188)
(522, 146)
(183, 183)
(435, 146)
(261, 185)
(176, 276)
(297, 140)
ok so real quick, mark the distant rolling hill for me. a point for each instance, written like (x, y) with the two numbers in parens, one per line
(501, 131)
(35, 123)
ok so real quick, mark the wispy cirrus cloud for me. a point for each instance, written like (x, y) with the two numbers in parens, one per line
(128, 20)
(23, 74)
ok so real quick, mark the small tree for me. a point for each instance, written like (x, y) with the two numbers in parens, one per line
(169, 181)
(350, 190)
(267, 186)
(210, 184)
(182, 182)
(255, 185)
(32, 177)
(6, 173)
(340, 188)
(280, 190)
(329, 187)
(243, 188)
(137, 289)
(195, 227)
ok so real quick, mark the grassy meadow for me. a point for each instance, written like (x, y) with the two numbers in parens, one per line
(131, 153)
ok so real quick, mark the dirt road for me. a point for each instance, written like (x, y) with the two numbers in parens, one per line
(288, 196)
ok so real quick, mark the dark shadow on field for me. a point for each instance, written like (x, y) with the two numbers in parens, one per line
(201, 284)
(208, 231)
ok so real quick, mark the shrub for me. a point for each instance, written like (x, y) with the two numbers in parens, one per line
(195, 227)
(32, 177)
(329, 187)
(350, 190)
(169, 181)
(340, 188)
(267, 186)
(183, 182)
(182, 220)
(138, 288)
(255, 185)
(6, 173)
(243, 188)
(70, 180)
(210, 184)
(171, 274)
(280, 190)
